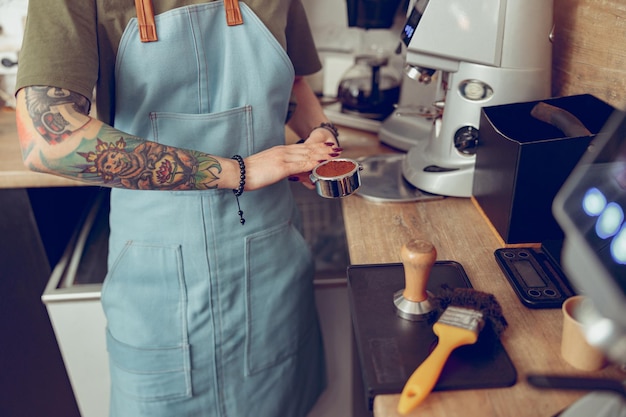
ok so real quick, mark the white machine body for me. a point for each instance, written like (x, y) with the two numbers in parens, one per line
(490, 52)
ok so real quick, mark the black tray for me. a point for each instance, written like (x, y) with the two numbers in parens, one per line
(391, 348)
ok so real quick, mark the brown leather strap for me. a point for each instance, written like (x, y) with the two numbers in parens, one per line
(233, 13)
(145, 18)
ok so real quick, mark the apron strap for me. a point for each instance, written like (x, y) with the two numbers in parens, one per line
(147, 25)
(145, 18)
(233, 13)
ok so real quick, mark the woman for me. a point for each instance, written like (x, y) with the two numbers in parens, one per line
(208, 296)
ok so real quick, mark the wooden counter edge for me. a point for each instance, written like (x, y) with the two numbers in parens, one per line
(21, 179)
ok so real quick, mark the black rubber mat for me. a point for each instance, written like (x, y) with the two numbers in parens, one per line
(390, 348)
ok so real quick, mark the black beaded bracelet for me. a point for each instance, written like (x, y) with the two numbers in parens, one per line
(242, 183)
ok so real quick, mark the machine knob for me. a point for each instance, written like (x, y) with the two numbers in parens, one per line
(413, 302)
(466, 140)
(421, 74)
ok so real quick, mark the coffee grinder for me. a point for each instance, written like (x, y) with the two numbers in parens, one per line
(486, 52)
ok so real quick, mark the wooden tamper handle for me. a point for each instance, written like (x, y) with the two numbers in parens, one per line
(418, 257)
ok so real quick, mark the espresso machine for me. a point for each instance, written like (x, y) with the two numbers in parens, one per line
(481, 53)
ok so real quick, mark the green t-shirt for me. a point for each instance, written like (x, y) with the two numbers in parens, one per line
(72, 44)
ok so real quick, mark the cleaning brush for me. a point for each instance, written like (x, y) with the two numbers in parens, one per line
(465, 313)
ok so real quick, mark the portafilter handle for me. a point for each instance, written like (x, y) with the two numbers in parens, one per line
(413, 302)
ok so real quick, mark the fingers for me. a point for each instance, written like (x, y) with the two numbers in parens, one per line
(304, 179)
(308, 155)
(322, 136)
(332, 151)
(336, 149)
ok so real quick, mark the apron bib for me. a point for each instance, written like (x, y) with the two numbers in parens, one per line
(207, 317)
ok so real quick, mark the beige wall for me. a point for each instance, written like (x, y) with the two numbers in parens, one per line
(590, 49)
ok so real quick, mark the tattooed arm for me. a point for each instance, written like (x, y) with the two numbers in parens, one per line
(57, 136)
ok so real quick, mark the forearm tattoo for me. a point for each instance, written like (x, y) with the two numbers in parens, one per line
(150, 166)
(44, 107)
(112, 158)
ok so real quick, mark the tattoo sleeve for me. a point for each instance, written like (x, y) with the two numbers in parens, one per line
(53, 111)
(136, 164)
(99, 154)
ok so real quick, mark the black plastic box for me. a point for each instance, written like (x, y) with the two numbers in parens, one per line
(522, 162)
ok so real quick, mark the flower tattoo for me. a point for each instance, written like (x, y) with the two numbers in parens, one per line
(151, 166)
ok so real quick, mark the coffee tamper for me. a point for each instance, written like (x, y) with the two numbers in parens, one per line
(413, 302)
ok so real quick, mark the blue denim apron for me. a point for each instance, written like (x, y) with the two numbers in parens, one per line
(207, 317)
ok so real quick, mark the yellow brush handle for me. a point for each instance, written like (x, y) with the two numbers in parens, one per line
(423, 380)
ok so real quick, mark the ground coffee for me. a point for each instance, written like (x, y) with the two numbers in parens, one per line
(335, 168)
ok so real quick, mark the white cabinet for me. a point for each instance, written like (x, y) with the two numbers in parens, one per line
(72, 298)
(79, 328)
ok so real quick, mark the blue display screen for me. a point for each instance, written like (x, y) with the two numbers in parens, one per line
(414, 18)
(597, 204)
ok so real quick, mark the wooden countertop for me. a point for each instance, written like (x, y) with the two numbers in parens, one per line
(13, 173)
(376, 233)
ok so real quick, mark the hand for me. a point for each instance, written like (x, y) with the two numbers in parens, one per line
(279, 162)
(319, 135)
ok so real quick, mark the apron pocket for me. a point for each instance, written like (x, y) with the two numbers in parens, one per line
(280, 302)
(223, 133)
(144, 298)
(150, 374)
